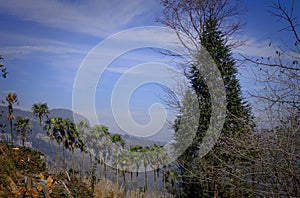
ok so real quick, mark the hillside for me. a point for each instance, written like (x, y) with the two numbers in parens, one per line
(46, 156)
(24, 174)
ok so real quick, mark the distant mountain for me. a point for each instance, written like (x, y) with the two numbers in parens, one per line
(34, 121)
(64, 113)
(49, 148)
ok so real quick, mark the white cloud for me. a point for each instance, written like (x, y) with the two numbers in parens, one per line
(94, 17)
(256, 48)
(25, 45)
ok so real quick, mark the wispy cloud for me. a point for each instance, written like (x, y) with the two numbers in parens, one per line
(93, 17)
(256, 48)
(24, 45)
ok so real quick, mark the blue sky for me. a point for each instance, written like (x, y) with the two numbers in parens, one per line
(45, 42)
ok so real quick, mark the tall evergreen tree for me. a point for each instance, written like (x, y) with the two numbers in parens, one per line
(200, 177)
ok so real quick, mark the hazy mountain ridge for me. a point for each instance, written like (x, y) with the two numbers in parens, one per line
(64, 113)
(48, 147)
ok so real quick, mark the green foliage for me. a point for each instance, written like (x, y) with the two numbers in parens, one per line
(23, 127)
(65, 132)
(201, 176)
(11, 99)
(2, 68)
(2, 126)
(40, 110)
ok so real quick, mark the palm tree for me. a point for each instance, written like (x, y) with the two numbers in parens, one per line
(124, 166)
(56, 130)
(68, 136)
(11, 99)
(119, 144)
(72, 139)
(105, 144)
(23, 127)
(118, 150)
(40, 110)
(136, 151)
(81, 145)
(96, 141)
(155, 162)
(83, 127)
(146, 163)
(49, 127)
(117, 139)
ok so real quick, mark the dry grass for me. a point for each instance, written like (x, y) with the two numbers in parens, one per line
(111, 190)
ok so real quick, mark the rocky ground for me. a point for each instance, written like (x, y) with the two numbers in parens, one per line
(23, 173)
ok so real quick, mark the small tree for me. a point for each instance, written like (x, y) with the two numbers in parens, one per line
(83, 127)
(23, 127)
(40, 110)
(11, 99)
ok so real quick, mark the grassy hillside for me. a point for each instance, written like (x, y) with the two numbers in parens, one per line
(23, 173)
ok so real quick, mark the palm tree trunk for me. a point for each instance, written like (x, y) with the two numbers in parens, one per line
(91, 161)
(100, 166)
(40, 134)
(11, 131)
(56, 155)
(82, 165)
(63, 152)
(155, 180)
(117, 175)
(146, 180)
(124, 181)
(164, 178)
(131, 186)
(137, 177)
(73, 164)
(105, 173)
(23, 139)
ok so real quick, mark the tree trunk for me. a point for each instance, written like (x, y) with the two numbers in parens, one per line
(100, 166)
(146, 180)
(117, 175)
(137, 177)
(105, 174)
(73, 164)
(63, 152)
(215, 190)
(155, 180)
(124, 181)
(23, 141)
(164, 178)
(82, 165)
(11, 131)
(56, 156)
(40, 133)
(131, 186)
(91, 161)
